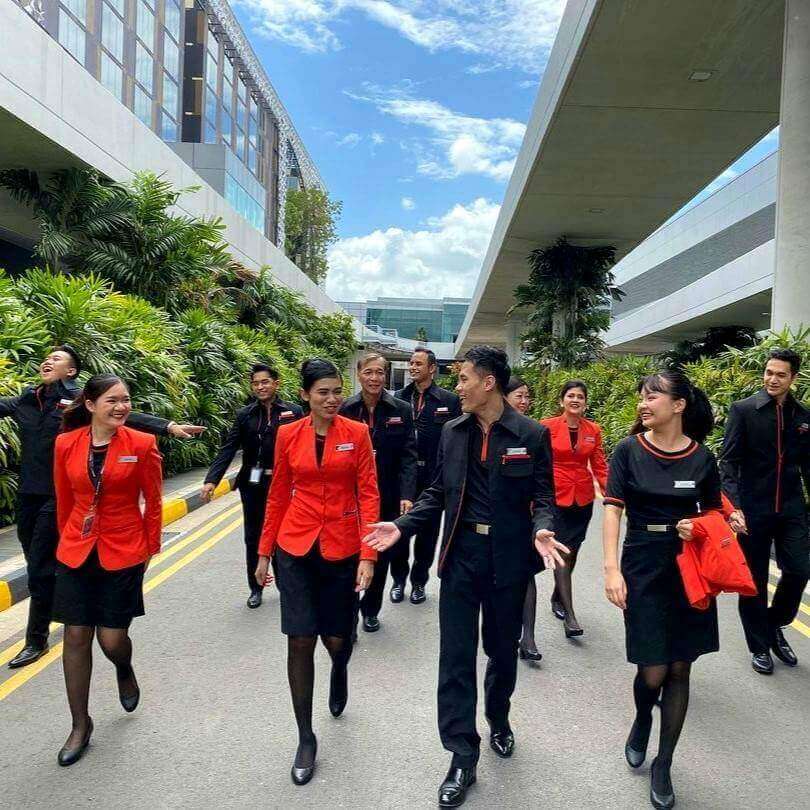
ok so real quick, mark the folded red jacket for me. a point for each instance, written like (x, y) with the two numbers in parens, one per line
(712, 562)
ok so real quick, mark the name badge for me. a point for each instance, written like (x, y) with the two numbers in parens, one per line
(684, 485)
(256, 475)
(516, 451)
(590, 439)
(127, 459)
(804, 427)
(286, 414)
(341, 448)
(442, 410)
(63, 403)
(394, 420)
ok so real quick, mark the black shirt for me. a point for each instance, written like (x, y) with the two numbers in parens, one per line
(657, 487)
(97, 458)
(477, 501)
(320, 443)
(573, 435)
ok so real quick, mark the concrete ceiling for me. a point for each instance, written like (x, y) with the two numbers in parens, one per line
(620, 137)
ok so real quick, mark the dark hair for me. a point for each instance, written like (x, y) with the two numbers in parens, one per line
(570, 385)
(317, 369)
(74, 355)
(257, 367)
(431, 355)
(514, 383)
(76, 414)
(787, 356)
(698, 417)
(491, 361)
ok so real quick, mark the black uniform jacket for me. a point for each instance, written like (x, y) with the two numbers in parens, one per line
(252, 434)
(38, 413)
(431, 412)
(521, 485)
(765, 455)
(394, 442)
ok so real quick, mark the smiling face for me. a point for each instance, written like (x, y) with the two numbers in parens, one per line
(325, 397)
(657, 409)
(372, 377)
(420, 368)
(111, 409)
(475, 389)
(519, 399)
(574, 402)
(57, 366)
(778, 377)
(263, 386)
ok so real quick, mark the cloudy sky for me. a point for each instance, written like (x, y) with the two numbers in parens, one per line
(413, 111)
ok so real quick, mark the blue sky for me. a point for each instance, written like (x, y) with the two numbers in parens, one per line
(413, 111)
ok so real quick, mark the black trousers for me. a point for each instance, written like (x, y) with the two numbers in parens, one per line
(254, 500)
(36, 529)
(424, 550)
(372, 600)
(788, 534)
(467, 591)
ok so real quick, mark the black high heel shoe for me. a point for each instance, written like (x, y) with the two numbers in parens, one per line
(635, 756)
(338, 690)
(68, 756)
(661, 801)
(529, 655)
(572, 628)
(129, 702)
(301, 776)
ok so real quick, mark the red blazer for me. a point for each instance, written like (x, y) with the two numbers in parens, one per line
(122, 535)
(713, 562)
(575, 469)
(336, 501)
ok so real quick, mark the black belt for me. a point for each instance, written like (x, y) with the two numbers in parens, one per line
(478, 528)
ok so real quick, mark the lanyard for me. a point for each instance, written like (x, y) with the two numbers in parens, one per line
(419, 405)
(261, 432)
(97, 481)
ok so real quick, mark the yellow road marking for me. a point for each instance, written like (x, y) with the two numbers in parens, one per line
(17, 680)
(5, 595)
(797, 625)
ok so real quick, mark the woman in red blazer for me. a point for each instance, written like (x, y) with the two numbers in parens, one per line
(101, 470)
(323, 499)
(576, 447)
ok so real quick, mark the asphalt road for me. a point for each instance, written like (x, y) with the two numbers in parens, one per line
(215, 726)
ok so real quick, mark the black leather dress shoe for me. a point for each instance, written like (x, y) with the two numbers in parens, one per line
(255, 599)
(659, 800)
(453, 791)
(502, 742)
(27, 655)
(558, 610)
(762, 663)
(67, 756)
(635, 749)
(418, 594)
(397, 593)
(782, 650)
(129, 701)
(338, 690)
(529, 655)
(301, 776)
(371, 624)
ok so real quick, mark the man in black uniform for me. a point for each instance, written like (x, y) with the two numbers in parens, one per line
(254, 432)
(432, 408)
(766, 453)
(391, 425)
(38, 413)
(494, 481)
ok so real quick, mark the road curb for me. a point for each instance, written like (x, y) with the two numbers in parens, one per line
(14, 585)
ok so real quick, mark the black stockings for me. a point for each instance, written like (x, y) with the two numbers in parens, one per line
(527, 641)
(301, 675)
(562, 584)
(672, 681)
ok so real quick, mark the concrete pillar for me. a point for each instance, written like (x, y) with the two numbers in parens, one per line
(791, 287)
(514, 347)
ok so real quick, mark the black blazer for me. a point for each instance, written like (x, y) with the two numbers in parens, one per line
(394, 442)
(38, 414)
(440, 407)
(765, 455)
(522, 492)
(244, 435)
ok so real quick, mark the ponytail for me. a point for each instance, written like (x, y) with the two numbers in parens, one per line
(76, 414)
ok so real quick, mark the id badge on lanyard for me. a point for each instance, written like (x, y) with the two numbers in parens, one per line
(90, 517)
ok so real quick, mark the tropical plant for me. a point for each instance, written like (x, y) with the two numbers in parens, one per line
(714, 342)
(310, 219)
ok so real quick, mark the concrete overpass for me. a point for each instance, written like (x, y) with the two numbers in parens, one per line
(640, 107)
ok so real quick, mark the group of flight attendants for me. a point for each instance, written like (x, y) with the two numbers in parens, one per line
(331, 499)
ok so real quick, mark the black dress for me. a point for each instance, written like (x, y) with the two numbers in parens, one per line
(658, 489)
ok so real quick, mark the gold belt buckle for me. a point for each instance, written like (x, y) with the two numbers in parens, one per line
(656, 527)
(481, 528)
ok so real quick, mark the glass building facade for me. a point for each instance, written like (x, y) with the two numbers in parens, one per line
(439, 319)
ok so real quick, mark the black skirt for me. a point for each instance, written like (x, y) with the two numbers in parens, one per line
(317, 596)
(571, 524)
(660, 625)
(94, 597)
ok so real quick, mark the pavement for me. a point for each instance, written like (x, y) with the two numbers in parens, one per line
(215, 726)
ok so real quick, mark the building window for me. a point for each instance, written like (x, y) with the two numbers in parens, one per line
(168, 129)
(253, 127)
(144, 68)
(150, 3)
(241, 90)
(171, 57)
(112, 76)
(112, 33)
(240, 143)
(227, 86)
(143, 106)
(211, 108)
(251, 159)
(170, 94)
(212, 45)
(240, 113)
(71, 36)
(225, 125)
(120, 6)
(146, 25)
(210, 131)
(78, 8)
(210, 70)
(173, 19)
(243, 203)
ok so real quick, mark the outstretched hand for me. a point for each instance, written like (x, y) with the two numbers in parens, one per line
(549, 549)
(382, 536)
(185, 431)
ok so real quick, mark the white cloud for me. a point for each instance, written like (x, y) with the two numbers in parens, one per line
(458, 144)
(527, 83)
(517, 33)
(351, 140)
(442, 259)
(377, 138)
(408, 204)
